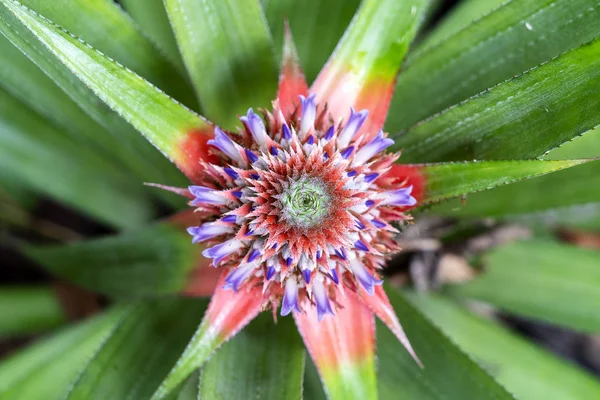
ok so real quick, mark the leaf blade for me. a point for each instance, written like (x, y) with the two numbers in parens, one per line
(265, 360)
(140, 351)
(98, 23)
(152, 18)
(27, 310)
(447, 180)
(515, 37)
(568, 188)
(361, 72)
(539, 374)
(554, 282)
(231, 63)
(152, 261)
(44, 370)
(447, 372)
(176, 131)
(227, 313)
(77, 175)
(507, 121)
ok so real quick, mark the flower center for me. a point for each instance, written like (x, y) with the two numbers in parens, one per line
(305, 202)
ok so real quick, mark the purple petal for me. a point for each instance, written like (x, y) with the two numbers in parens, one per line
(237, 193)
(369, 203)
(226, 145)
(287, 134)
(309, 113)
(354, 123)
(363, 276)
(341, 254)
(288, 261)
(255, 176)
(330, 132)
(205, 195)
(229, 218)
(378, 223)
(207, 231)
(274, 150)
(376, 145)
(347, 152)
(290, 297)
(251, 156)
(360, 225)
(236, 277)
(334, 276)
(400, 197)
(359, 244)
(270, 272)
(351, 173)
(254, 254)
(231, 173)
(306, 275)
(256, 126)
(220, 251)
(321, 300)
(371, 177)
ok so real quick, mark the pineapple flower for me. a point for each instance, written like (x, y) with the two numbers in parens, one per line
(298, 207)
(296, 211)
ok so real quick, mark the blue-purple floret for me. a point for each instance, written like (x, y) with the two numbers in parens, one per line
(225, 144)
(400, 197)
(352, 127)
(256, 126)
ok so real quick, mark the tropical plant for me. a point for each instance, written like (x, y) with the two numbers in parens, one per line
(299, 203)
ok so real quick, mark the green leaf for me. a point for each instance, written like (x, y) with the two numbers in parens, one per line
(515, 37)
(154, 260)
(98, 23)
(447, 373)
(561, 199)
(152, 18)
(14, 192)
(549, 281)
(313, 388)
(189, 389)
(124, 147)
(27, 310)
(454, 179)
(42, 157)
(228, 52)
(376, 42)
(462, 15)
(140, 351)
(525, 369)
(584, 146)
(520, 118)
(44, 370)
(568, 188)
(317, 27)
(165, 123)
(265, 360)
